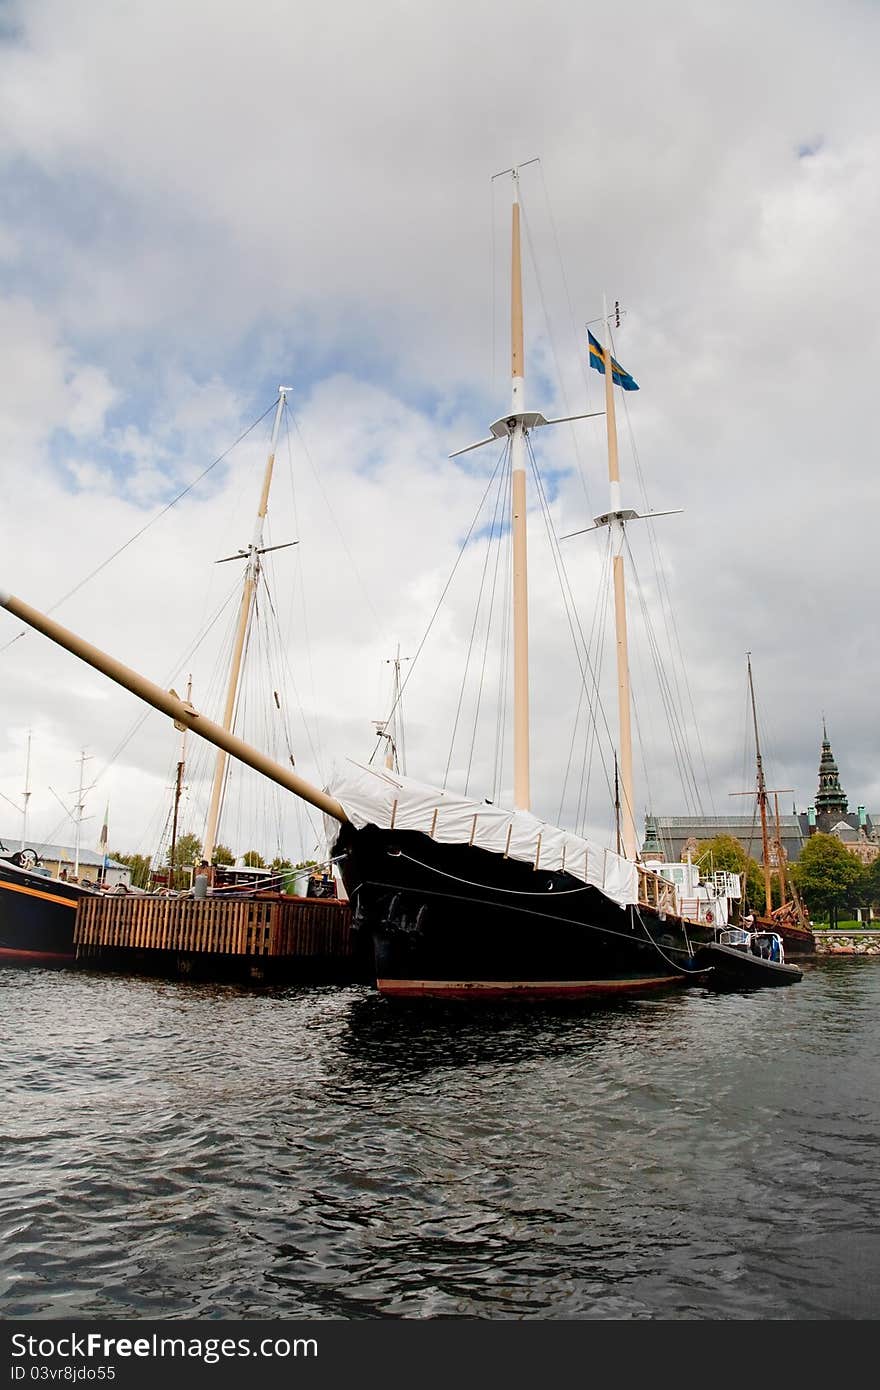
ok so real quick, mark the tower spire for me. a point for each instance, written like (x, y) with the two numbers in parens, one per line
(831, 799)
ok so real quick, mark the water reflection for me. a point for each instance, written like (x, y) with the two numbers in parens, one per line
(394, 1039)
(188, 1150)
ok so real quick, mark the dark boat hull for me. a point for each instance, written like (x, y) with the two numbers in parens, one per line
(458, 922)
(736, 969)
(37, 916)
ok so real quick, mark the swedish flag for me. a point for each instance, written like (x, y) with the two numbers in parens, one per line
(618, 375)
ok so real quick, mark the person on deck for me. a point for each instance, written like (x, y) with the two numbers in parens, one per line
(202, 880)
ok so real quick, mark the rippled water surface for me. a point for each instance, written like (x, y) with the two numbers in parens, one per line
(170, 1150)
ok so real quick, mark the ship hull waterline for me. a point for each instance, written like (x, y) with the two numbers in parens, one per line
(37, 918)
(458, 922)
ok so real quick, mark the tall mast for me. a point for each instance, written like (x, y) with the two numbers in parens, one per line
(780, 862)
(616, 521)
(80, 807)
(395, 751)
(252, 573)
(521, 789)
(178, 785)
(515, 427)
(26, 796)
(762, 797)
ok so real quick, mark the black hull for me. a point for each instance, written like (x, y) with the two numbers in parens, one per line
(458, 922)
(736, 969)
(37, 917)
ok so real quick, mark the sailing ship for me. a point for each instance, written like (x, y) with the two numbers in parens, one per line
(789, 920)
(462, 898)
(37, 911)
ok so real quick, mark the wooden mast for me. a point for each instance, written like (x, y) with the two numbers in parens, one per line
(252, 574)
(521, 787)
(780, 860)
(178, 785)
(762, 798)
(169, 703)
(616, 521)
(27, 793)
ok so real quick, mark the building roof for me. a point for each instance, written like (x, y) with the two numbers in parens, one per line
(59, 854)
(794, 830)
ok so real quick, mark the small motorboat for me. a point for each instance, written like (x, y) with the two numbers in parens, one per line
(741, 959)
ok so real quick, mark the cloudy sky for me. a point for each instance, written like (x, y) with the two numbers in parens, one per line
(202, 201)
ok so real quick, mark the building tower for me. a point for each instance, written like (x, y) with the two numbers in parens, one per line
(831, 802)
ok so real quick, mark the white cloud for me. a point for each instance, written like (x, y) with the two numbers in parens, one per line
(205, 201)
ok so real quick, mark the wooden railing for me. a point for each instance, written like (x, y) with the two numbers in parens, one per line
(655, 891)
(237, 927)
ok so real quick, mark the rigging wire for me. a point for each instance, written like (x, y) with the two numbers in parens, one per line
(443, 594)
(504, 662)
(678, 736)
(580, 356)
(332, 514)
(314, 742)
(598, 622)
(504, 511)
(500, 492)
(137, 535)
(673, 637)
(591, 737)
(582, 654)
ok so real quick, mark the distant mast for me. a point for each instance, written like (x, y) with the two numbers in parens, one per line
(521, 787)
(252, 574)
(762, 798)
(80, 807)
(26, 795)
(178, 786)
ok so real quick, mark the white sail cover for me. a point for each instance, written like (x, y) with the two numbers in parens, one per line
(376, 796)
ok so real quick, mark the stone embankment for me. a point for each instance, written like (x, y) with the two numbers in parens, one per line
(847, 943)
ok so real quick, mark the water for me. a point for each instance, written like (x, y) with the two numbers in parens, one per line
(170, 1150)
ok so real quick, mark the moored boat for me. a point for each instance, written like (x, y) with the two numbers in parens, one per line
(463, 898)
(467, 900)
(789, 921)
(37, 912)
(741, 959)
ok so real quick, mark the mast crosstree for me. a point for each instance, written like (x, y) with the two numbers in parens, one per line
(249, 589)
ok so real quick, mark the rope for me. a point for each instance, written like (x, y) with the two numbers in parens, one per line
(700, 970)
(433, 618)
(469, 883)
(470, 647)
(529, 912)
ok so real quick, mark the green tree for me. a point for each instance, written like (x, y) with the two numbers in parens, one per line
(253, 859)
(727, 854)
(187, 851)
(872, 872)
(278, 865)
(866, 893)
(223, 855)
(140, 866)
(827, 875)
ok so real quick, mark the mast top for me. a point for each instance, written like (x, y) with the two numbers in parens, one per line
(514, 173)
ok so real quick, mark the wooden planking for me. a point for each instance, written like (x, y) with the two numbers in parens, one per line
(308, 927)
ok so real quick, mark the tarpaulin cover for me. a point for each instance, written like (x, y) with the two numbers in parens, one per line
(376, 796)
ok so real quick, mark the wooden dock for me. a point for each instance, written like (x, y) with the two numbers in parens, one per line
(267, 937)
